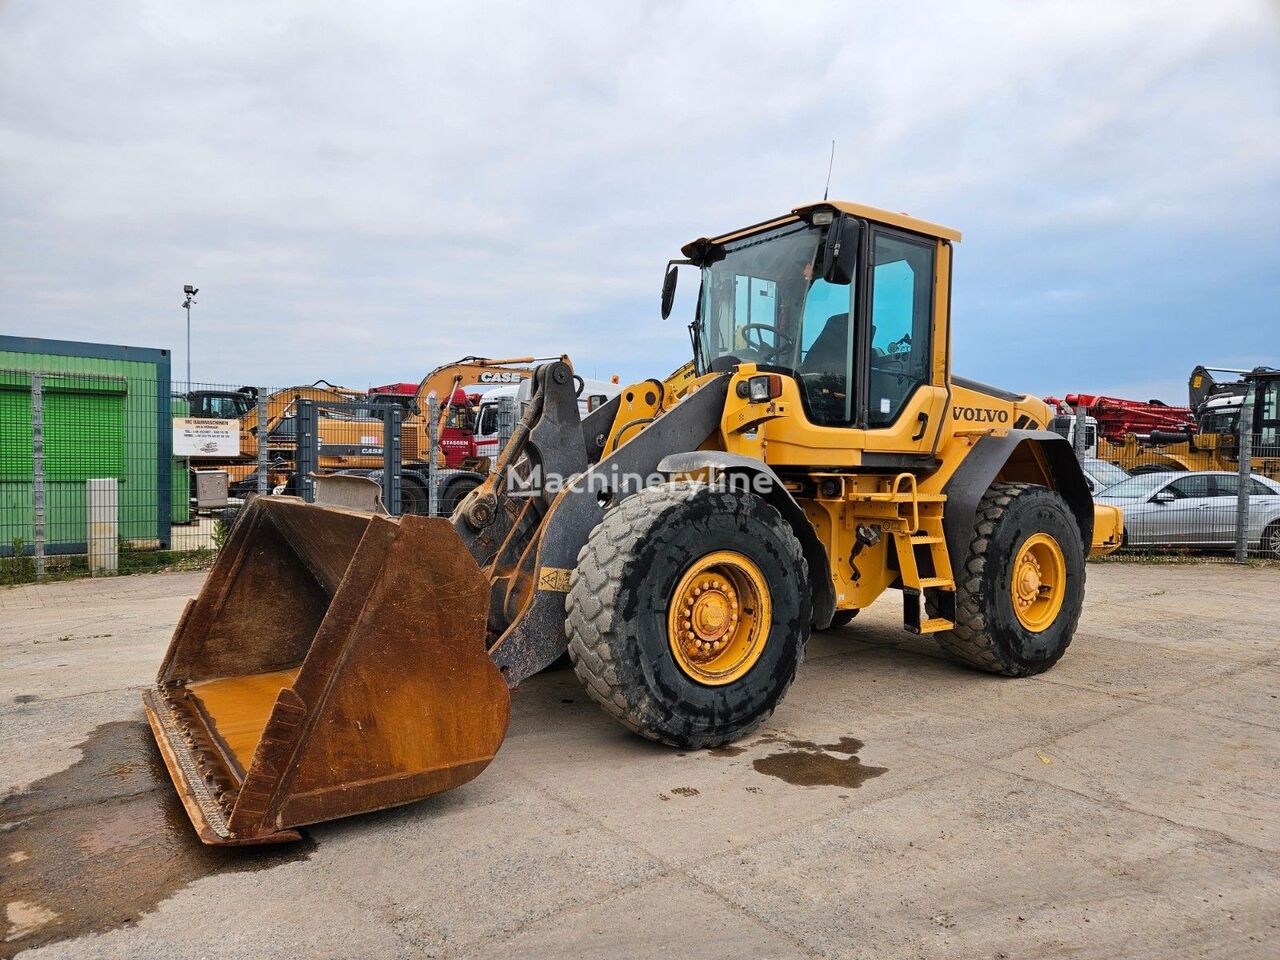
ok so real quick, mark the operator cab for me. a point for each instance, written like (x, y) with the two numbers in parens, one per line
(840, 297)
(222, 404)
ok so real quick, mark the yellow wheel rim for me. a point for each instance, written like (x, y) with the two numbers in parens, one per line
(1039, 582)
(719, 618)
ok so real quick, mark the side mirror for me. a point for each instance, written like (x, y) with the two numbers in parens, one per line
(840, 256)
(669, 289)
(1163, 496)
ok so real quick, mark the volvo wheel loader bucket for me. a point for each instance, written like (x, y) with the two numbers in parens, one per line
(334, 663)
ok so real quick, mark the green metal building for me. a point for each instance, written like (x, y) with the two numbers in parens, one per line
(106, 412)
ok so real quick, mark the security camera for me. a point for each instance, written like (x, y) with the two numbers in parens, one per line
(188, 289)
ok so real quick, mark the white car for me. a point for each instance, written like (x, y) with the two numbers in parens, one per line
(1196, 509)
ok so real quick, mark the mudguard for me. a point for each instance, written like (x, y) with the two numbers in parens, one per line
(773, 490)
(1016, 455)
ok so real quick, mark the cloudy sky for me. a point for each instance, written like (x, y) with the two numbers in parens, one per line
(364, 191)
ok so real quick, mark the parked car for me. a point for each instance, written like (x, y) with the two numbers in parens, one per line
(1196, 509)
(1100, 474)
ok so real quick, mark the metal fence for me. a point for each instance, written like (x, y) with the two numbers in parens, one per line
(1216, 500)
(107, 473)
(116, 472)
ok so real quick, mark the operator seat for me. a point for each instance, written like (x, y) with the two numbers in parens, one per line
(830, 350)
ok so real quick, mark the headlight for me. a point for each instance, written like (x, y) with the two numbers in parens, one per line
(764, 387)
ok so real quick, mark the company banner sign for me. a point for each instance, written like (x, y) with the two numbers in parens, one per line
(201, 437)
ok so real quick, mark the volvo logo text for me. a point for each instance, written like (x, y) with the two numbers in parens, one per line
(980, 414)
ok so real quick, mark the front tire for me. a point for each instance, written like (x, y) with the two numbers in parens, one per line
(1020, 589)
(688, 613)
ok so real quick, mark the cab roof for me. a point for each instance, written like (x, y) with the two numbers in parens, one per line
(875, 214)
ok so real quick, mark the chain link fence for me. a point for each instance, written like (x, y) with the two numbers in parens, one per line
(1218, 499)
(106, 473)
(119, 472)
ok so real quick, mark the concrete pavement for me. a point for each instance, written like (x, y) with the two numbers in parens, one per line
(1126, 804)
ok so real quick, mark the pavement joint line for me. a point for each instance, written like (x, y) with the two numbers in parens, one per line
(805, 822)
(745, 909)
(1136, 704)
(80, 804)
(1118, 803)
(1187, 687)
(77, 696)
(569, 911)
(1218, 716)
(664, 870)
(987, 764)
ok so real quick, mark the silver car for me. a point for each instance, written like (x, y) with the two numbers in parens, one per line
(1196, 509)
(1099, 474)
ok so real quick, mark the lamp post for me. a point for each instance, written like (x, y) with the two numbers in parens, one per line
(191, 292)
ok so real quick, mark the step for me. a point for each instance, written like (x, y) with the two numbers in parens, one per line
(937, 583)
(936, 625)
(922, 539)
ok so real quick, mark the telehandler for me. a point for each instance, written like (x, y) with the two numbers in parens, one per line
(679, 542)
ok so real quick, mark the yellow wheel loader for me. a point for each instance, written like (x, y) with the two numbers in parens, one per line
(680, 542)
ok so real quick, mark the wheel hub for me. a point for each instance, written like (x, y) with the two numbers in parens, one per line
(1028, 581)
(1038, 582)
(719, 618)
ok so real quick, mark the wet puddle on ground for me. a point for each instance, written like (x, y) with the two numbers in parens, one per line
(807, 764)
(97, 845)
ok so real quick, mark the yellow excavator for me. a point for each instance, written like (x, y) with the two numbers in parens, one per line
(281, 406)
(680, 543)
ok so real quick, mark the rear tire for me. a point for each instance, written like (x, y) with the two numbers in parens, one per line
(842, 619)
(455, 493)
(413, 498)
(989, 634)
(636, 563)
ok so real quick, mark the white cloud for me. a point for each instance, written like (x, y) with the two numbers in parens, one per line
(363, 192)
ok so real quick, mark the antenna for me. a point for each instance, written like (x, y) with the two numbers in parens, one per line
(827, 188)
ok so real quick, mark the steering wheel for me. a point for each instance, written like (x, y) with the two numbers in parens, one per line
(783, 343)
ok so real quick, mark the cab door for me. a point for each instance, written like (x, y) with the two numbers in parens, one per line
(1188, 517)
(902, 351)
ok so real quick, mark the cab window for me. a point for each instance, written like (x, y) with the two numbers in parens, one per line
(1268, 425)
(459, 418)
(901, 323)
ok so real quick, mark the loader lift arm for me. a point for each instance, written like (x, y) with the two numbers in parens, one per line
(303, 683)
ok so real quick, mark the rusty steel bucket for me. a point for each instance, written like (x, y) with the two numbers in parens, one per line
(334, 663)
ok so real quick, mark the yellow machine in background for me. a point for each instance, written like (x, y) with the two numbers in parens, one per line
(681, 542)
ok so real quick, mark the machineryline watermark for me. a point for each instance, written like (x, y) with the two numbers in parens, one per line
(525, 481)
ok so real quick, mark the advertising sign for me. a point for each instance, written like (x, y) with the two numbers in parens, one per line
(201, 437)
